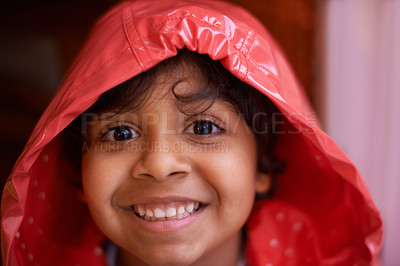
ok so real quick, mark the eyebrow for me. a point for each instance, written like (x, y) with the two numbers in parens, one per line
(107, 115)
(228, 105)
(225, 104)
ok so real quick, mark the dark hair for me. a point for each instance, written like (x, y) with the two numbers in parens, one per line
(219, 83)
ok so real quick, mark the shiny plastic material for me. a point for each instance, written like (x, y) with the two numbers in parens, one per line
(321, 214)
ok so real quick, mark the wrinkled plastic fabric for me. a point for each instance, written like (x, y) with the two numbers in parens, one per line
(321, 214)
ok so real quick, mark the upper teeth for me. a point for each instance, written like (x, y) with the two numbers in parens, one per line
(168, 211)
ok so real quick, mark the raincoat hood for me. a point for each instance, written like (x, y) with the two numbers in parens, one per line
(321, 212)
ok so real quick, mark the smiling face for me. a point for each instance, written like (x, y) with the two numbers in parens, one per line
(172, 188)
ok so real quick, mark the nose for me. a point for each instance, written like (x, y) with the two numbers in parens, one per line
(161, 161)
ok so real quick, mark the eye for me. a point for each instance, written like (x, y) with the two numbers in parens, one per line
(120, 133)
(204, 127)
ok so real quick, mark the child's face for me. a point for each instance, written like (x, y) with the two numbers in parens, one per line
(196, 173)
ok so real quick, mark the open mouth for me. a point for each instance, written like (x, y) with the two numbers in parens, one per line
(166, 211)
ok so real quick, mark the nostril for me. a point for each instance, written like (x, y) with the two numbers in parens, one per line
(142, 176)
(177, 173)
(161, 167)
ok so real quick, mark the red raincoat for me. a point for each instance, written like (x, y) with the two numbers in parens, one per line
(321, 214)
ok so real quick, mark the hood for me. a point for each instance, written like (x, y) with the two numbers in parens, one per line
(321, 212)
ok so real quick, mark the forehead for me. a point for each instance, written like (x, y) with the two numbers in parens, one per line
(183, 81)
(185, 96)
(182, 78)
(189, 77)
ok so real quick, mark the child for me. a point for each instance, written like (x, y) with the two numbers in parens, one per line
(165, 146)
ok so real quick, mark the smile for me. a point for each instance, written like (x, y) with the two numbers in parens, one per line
(166, 211)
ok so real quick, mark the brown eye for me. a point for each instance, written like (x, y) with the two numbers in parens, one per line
(204, 127)
(120, 133)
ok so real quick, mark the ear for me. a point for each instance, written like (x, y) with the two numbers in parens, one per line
(262, 183)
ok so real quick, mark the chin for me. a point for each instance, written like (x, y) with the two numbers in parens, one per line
(171, 259)
(186, 256)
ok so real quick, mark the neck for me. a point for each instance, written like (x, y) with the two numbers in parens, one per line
(227, 254)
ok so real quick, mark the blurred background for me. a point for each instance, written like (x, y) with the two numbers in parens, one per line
(346, 53)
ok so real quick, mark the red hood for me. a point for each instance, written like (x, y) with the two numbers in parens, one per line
(321, 213)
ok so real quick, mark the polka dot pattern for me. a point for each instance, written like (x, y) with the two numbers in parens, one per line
(273, 243)
(282, 228)
(297, 227)
(43, 229)
(289, 252)
(42, 195)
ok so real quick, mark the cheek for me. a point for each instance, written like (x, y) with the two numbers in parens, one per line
(100, 178)
(241, 162)
(232, 174)
(242, 165)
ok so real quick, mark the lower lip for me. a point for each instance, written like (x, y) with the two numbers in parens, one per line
(168, 226)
